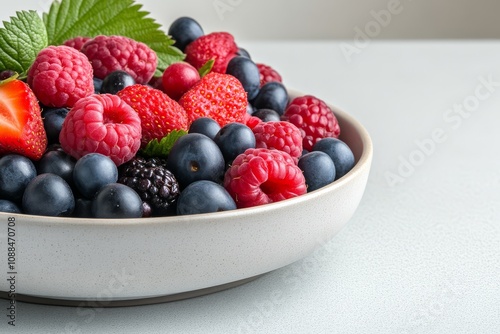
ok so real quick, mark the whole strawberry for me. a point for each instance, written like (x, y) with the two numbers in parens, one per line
(261, 176)
(102, 123)
(159, 114)
(314, 119)
(21, 125)
(218, 96)
(219, 46)
(60, 76)
(111, 53)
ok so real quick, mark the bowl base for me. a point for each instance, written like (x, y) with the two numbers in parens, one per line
(127, 302)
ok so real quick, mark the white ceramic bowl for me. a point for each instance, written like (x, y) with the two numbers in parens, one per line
(137, 261)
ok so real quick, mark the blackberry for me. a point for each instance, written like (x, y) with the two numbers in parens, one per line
(155, 184)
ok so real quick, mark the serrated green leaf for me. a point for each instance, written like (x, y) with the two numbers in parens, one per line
(21, 40)
(89, 18)
(206, 68)
(161, 148)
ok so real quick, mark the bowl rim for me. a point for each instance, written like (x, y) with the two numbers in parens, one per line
(364, 160)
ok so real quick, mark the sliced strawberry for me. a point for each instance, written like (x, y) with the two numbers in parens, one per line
(21, 125)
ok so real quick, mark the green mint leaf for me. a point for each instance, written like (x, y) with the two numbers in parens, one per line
(206, 68)
(161, 148)
(89, 18)
(21, 40)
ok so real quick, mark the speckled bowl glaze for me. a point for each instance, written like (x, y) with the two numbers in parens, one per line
(70, 261)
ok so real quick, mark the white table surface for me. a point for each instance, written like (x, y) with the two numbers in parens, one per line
(419, 256)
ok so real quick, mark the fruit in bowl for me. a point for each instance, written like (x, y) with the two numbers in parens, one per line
(195, 173)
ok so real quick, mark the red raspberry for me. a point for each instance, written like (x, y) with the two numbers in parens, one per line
(251, 121)
(218, 96)
(217, 45)
(77, 42)
(60, 76)
(260, 176)
(314, 119)
(268, 74)
(102, 124)
(283, 136)
(159, 113)
(112, 53)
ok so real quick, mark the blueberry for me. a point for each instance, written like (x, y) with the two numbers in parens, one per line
(97, 85)
(93, 171)
(318, 169)
(250, 109)
(233, 139)
(83, 208)
(53, 119)
(245, 70)
(16, 171)
(243, 53)
(116, 200)
(206, 126)
(116, 81)
(196, 157)
(48, 195)
(59, 163)
(8, 206)
(204, 197)
(184, 30)
(5, 74)
(339, 152)
(273, 95)
(267, 115)
(54, 147)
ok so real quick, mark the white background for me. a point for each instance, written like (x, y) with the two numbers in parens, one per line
(292, 19)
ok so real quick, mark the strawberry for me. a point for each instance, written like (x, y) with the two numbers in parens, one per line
(219, 46)
(159, 114)
(21, 125)
(218, 96)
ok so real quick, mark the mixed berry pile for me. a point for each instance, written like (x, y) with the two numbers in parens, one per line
(92, 132)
